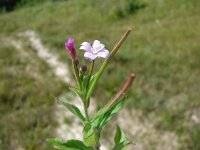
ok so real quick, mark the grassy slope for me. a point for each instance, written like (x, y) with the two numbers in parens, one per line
(26, 99)
(163, 51)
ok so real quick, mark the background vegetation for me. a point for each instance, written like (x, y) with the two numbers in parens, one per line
(163, 51)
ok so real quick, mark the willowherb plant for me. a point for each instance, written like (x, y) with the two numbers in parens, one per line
(86, 83)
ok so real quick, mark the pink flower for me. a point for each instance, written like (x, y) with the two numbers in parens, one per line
(71, 48)
(97, 49)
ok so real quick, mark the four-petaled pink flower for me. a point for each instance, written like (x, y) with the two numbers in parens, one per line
(97, 49)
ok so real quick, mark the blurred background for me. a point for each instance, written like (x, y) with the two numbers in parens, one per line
(163, 50)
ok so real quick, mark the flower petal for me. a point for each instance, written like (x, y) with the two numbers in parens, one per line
(97, 46)
(89, 56)
(96, 42)
(104, 53)
(86, 46)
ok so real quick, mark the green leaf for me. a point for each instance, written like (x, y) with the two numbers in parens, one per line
(68, 145)
(92, 80)
(118, 135)
(105, 114)
(74, 110)
(91, 135)
(91, 83)
(88, 129)
(120, 140)
(76, 91)
(113, 110)
(84, 84)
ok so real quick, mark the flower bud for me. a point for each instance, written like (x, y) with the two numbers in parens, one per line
(84, 68)
(71, 48)
(76, 61)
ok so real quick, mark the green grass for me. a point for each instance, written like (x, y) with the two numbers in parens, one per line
(163, 51)
(27, 91)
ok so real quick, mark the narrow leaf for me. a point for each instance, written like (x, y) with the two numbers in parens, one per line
(118, 135)
(68, 145)
(120, 140)
(76, 91)
(84, 84)
(92, 80)
(74, 110)
(105, 114)
(113, 110)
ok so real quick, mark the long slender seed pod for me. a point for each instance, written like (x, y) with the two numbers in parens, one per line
(122, 90)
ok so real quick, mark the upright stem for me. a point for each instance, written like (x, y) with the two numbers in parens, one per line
(87, 101)
(86, 112)
(88, 82)
(90, 73)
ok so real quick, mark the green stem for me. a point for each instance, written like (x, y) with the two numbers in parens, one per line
(88, 82)
(86, 112)
(90, 73)
(76, 73)
(87, 101)
(104, 65)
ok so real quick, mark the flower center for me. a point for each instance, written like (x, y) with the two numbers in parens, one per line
(94, 51)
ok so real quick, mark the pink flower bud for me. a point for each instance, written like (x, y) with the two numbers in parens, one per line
(71, 48)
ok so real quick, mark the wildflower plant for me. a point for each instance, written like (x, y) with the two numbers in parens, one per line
(86, 83)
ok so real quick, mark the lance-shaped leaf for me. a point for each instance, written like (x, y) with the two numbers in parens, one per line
(84, 84)
(114, 105)
(120, 140)
(92, 80)
(77, 92)
(74, 110)
(68, 145)
(104, 115)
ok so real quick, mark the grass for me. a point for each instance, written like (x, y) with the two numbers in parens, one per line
(163, 51)
(27, 99)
